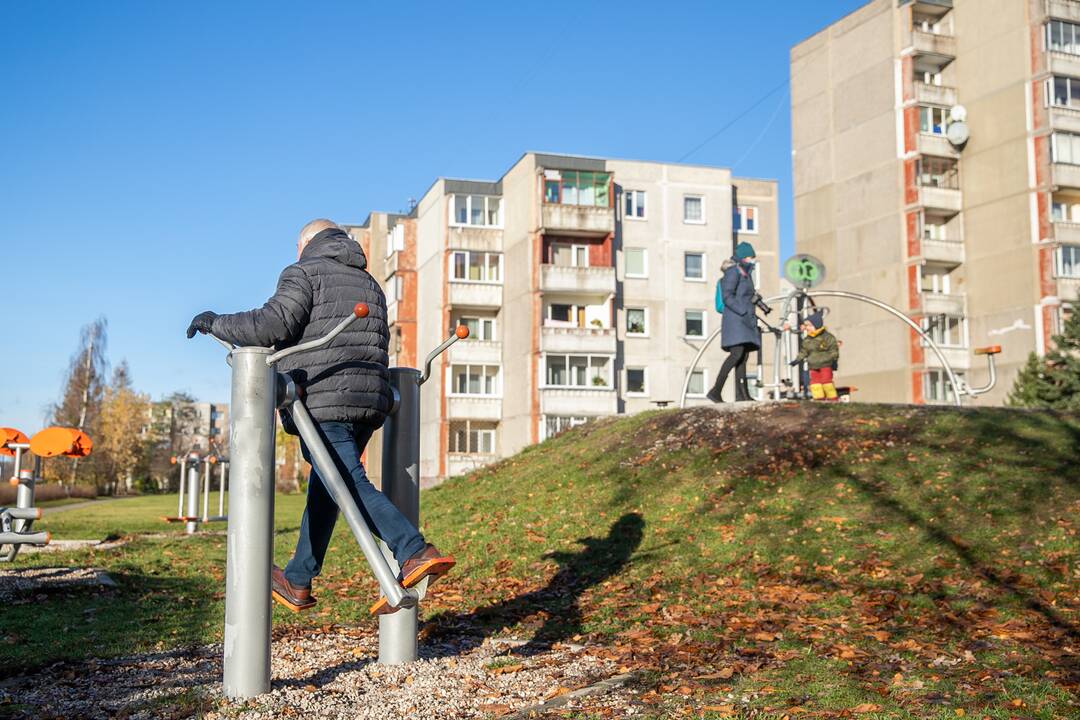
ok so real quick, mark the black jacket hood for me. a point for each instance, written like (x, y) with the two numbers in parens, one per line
(335, 244)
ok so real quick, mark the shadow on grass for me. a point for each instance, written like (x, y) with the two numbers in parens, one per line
(558, 602)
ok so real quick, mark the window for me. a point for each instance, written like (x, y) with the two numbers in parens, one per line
(480, 328)
(1065, 148)
(696, 387)
(694, 266)
(946, 330)
(937, 388)
(934, 280)
(746, 219)
(475, 379)
(567, 255)
(695, 323)
(938, 173)
(1063, 37)
(581, 371)
(694, 209)
(395, 240)
(477, 210)
(397, 288)
(472, 437)
(571, 187)
(1063, 91)
(477, 266)
(635, 381)
(933, 120)
(635, 204)
(1068, 261)
(934, 227)
(1065, 208)
(555, 424)
(579, 316)
(636, 321)
(929, 24)
(637, 262)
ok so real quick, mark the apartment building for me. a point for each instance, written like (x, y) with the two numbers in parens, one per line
(587, 285)
(937, 168)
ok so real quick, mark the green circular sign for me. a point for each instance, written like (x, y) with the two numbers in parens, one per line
(804, 271)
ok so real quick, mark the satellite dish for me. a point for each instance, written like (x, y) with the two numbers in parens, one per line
(958, 113)
(958, 134)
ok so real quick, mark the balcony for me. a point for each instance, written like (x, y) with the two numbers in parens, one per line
(935, 95)
(1063, 63)
(1068, 288)
(1065, 118)
(942, 199)
(942, 303)
(577, 340)
(580, 220)
(1067, 233)
(391, 265)
(1063, 10)
(462, 463)
(475, 294)
(392, 312)
(577, 402)
(481, 239)
(477, 352)
(939, 48)
(473, 407)
(936, 145)
(959, 358)
(579, 280)
(943, 252)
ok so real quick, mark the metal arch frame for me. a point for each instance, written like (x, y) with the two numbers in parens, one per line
(959, 390)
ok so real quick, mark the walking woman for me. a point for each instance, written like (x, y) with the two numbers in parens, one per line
(739, 333)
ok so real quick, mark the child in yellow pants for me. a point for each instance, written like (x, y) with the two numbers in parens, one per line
(820, 350)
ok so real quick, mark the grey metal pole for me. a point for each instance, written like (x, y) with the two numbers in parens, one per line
(192, 523)
(396, 595)
(401, 485)
(183, 478)
(24, 491)
(206, 491)
(251, 525)
(221, 491)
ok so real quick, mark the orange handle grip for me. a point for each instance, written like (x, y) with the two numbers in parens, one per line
(361, 310)
(461, 331)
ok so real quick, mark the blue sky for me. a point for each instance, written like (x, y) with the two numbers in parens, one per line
(158, 158)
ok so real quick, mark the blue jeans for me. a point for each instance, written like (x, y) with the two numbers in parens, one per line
(346, 442)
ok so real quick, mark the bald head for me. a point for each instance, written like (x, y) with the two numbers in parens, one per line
(312, 229)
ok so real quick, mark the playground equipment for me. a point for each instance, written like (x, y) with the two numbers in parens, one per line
(257, 388)
(807, 272)
(189, 490)
(16, 523)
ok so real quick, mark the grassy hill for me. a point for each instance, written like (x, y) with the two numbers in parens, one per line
(830, 559)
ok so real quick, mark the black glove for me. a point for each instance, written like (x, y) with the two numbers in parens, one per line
(202, 322)
(793, 363)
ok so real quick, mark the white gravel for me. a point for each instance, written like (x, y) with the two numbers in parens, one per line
(26, 583)
(329, 674)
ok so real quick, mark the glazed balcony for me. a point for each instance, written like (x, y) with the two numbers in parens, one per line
(578, 401)
(470, 237)
(473, 407)
(476, 352)
(577, 220)
(578, 280)
(475, 294)
(577, 340)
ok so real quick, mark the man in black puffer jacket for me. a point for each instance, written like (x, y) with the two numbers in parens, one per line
(347, 391)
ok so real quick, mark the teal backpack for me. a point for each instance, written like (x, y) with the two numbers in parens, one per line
(719, 298)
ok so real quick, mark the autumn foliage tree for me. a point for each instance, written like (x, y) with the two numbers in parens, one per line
(81, 396)
(123, 421)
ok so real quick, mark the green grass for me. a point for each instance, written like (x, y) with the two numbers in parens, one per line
(909, 562)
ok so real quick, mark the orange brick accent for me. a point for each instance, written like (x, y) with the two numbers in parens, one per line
(914, 242)
(916, 388)
(914, 297)
(406, 319)
(911, 128)
(907, 71)
(911, 190)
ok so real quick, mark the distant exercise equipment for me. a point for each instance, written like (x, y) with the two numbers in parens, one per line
(16, 523)
(189, 490)
(806, 272)
(257, 389)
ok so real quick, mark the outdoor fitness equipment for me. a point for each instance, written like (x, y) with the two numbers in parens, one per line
(809, 272)
(189, 488)
(16, 522)
(257, 388)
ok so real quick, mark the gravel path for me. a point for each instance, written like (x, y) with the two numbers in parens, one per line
(326, 675)
(30, 581)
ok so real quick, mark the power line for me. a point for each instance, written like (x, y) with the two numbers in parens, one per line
(761, 135)
(736, 119)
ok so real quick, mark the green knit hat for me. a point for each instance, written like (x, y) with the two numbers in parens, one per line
(744, 250)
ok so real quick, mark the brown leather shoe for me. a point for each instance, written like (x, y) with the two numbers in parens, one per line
(428, 563)
(284, 592)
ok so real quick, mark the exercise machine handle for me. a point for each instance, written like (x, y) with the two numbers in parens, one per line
(360, 310)
(460, 333)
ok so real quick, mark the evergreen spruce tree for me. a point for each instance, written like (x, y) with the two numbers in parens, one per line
(1053, 381)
